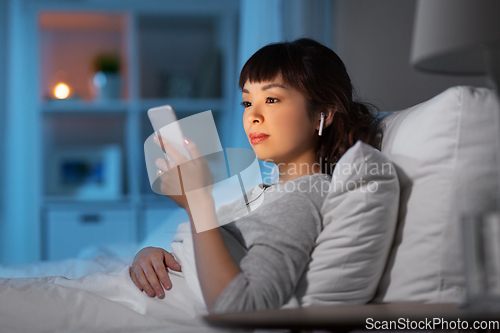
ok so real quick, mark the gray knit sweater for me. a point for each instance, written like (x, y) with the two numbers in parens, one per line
(277, 238)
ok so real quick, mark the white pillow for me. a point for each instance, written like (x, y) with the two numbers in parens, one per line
(359, 218)
(445, 153)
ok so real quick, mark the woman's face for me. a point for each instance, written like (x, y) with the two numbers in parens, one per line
(276, 122)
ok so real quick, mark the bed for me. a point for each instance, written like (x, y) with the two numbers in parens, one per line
(94, 293)
(419, 234)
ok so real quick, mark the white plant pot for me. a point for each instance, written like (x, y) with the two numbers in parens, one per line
(107, 85)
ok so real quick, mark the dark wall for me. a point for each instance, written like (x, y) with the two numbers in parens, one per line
(373, 37)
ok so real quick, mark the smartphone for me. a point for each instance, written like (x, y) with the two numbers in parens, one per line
(166, 126)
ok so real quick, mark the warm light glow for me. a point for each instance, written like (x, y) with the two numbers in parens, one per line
(61, 91)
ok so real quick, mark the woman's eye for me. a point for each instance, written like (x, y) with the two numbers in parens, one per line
(246, 104)
(272, 100)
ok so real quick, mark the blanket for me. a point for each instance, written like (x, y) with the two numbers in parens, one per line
(105, 301)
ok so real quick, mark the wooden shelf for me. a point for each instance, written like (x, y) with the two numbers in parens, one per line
(84, 106)
(53, 202)
(181, 105)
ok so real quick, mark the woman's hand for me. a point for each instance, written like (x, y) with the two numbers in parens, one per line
(193, 174)
(149, 270)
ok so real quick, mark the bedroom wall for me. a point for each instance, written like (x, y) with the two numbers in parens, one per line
(3, 51)
(374, 40)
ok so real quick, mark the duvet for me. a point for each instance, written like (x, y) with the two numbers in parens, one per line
(106, 300)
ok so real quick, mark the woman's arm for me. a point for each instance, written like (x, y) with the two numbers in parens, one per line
(280, 236)
(214, 264)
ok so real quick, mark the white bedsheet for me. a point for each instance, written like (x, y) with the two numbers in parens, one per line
(104, 301)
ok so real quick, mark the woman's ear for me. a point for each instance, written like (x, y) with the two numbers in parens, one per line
(328, 117)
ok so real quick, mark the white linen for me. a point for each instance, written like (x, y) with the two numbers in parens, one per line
(104, 301)
(69, 268)
(95, 302)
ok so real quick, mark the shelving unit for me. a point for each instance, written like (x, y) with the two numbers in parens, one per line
(182, 54)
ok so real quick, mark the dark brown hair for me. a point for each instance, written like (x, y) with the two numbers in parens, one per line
(320, 75)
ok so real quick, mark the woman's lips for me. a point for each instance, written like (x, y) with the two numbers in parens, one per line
(257, 137)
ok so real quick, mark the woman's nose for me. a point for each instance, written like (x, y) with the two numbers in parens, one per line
(255, 115)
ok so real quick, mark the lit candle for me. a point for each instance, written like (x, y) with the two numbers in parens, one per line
(61, 91)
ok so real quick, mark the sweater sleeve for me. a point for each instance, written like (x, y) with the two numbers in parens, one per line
(280, 237)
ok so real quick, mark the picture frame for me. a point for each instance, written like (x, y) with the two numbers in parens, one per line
(86, 173)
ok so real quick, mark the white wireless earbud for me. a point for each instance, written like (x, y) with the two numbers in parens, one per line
(321, 123)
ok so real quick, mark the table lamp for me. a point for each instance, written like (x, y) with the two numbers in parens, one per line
(458, 37)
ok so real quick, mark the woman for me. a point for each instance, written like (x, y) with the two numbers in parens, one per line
(299, 113)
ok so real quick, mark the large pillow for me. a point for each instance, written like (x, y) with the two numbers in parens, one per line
(445, 154)
(359, 220)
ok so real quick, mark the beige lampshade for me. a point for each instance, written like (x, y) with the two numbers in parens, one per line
(455, 36)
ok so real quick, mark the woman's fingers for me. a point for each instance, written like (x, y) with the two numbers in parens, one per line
(161, 272)
(161, 164)
(170, 150)
(157, 289)
(143, 281)
(134, 279)
(192, 148)
(171, 262)
(158, 142)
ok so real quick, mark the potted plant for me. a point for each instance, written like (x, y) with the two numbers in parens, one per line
(107, 80)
